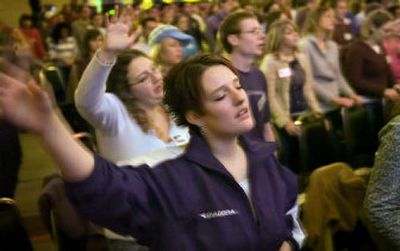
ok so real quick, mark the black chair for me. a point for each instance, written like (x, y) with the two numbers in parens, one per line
(67, 228)
(360, 134)
(13, 235)
(52, 74)
(316, 143)
(52, 78)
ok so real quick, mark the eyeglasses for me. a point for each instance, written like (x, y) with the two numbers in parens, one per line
(146, 77)
(255, 31)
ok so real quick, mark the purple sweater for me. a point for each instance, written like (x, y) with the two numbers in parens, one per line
(192, 202)
(255, 84)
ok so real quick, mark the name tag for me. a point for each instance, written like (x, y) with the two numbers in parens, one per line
(347, 21)
(347, 36)
(284, 72)
(377, 49)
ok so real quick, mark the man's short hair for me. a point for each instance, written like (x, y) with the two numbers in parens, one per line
(231, 26)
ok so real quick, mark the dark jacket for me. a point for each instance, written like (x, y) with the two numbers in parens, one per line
(192, 202)
(367, 71)
(10, 159)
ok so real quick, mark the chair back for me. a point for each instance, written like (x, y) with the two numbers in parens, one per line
(13, 235)
(361, 125)
(68, 229)
(316, 141)
(52, 74)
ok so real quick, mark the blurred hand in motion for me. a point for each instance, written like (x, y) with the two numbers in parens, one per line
(24, 104)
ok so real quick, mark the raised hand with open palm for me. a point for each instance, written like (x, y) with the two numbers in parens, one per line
(24, 105)
(118, 31)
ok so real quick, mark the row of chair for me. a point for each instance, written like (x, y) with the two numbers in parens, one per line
(354, 142)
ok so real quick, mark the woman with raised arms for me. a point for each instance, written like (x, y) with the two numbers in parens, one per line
(224, 192)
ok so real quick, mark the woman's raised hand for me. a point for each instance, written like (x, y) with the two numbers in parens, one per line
(24, 104)
(119, 36)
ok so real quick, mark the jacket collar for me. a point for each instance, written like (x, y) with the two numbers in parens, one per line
(199, 152)
(314, 42)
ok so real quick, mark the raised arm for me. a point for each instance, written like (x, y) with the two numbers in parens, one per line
(29, 107)
(90, 97)
(26, 106)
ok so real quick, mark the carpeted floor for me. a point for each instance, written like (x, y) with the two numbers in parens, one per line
(36, 165)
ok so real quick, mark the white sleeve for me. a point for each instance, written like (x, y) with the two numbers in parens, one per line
(99, 108)
(297, 231)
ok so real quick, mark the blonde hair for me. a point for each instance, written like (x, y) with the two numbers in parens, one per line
(276, 33)
(155, 52)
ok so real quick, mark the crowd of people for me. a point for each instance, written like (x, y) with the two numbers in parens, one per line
(209, 96)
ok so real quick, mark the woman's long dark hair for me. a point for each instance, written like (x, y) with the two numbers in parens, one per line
(56, 32)
(90, 35)
(118, 84)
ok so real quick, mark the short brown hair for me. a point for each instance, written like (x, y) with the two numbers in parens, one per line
(231, 25)
(183, 90)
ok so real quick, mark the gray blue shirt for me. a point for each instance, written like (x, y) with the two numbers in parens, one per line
(328, 78)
